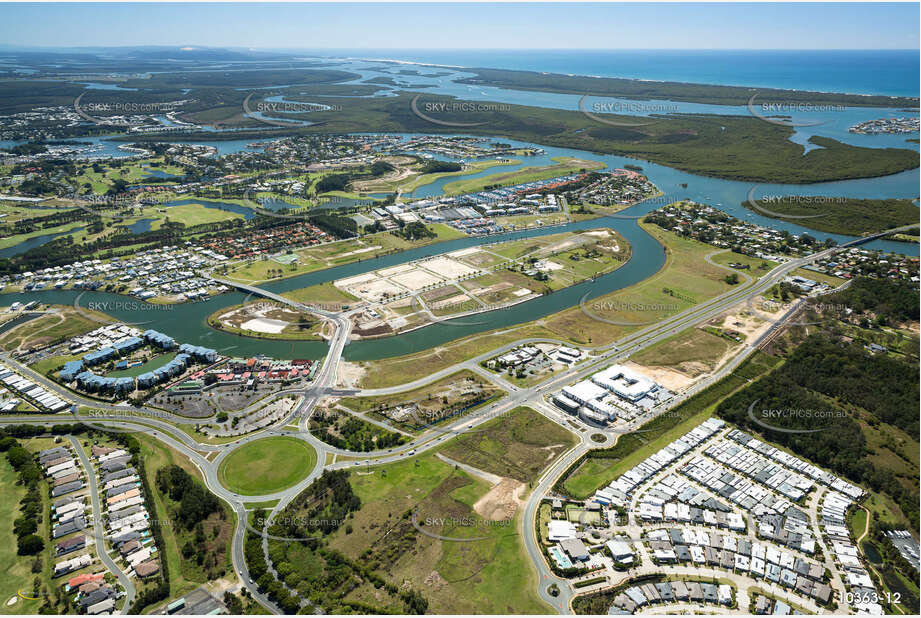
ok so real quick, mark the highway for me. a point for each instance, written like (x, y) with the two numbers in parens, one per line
(162, 425)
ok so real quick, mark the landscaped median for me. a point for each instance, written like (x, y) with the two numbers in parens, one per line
(267, 465)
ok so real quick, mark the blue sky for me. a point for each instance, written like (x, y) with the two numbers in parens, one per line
(476, 26)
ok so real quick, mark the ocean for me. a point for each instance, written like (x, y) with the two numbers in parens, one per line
(884, 72)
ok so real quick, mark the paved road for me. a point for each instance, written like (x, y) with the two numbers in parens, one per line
(99, 532)
(325, 380)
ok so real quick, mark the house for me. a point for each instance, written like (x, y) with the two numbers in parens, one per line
(559, 529)
(575, 548)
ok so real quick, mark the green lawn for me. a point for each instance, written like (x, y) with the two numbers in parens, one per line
(267, 465)
(15, 571)
(155, 363)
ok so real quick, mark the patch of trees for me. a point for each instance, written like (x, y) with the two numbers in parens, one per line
(379, 168)
(340, 227)
(28, 543)
(332, 182)
(414, 230)
(195, 502)
(436, 167)
(353, 434)
(843, 386)
(26, 149)
(323, 507)
(889, 301)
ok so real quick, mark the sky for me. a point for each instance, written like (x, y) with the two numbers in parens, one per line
(466, 26)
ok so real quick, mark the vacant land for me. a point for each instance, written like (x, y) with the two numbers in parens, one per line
(564, 166)
(693, 351)
(518, 445)
(687, 279)
(267, 465)
(419, 408)
(56, 325)
(488, 574)
(185, 574)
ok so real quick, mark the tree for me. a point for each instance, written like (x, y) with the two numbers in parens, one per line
(29, 545)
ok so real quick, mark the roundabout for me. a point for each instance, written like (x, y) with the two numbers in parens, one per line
(267, 465)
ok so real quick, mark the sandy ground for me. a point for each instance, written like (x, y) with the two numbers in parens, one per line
(750, 326)
(669, 378)
(349, 374)
(350, 281)
(463, 252)
(521, 292)
(416, 279)
(500, 502)
(394, 270)
(446, 267)
(264, 325)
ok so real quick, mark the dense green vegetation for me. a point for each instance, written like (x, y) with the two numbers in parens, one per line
(851, 216)
(837, 392)
(736, 147)
(347, 432)
(883, 301)
(672, 91)
(195, 502)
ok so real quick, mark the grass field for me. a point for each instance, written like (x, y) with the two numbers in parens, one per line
(519, 445)
(15, 571)
(563, 167)
(757, 265)
(188, 214)
(322, 293)
(690, 346)
(65, 322)
(492, 575)
(154, 363)
(267, 465)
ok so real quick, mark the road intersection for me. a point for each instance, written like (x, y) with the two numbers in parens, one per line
(207, 457)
